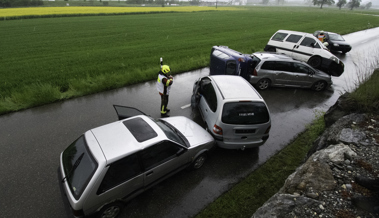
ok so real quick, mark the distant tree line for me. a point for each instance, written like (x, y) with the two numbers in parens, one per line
(20, 3)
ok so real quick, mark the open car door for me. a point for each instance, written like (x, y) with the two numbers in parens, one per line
(124, 112)
(195, 98)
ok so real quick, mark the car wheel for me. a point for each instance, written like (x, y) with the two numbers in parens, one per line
(319, 86)
(315, 62)
(271, 49)
(263, 84)
(199, 161)
(111, 210)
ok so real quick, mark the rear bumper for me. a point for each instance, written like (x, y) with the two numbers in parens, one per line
(241, 145)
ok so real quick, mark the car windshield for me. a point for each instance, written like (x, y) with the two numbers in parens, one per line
(79, 166)
(336, 37)
(245, 113)
(172, 133)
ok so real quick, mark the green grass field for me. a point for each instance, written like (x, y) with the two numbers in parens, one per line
(49, 59)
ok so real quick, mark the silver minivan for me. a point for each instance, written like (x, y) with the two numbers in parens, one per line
(109, 165)
(233, 111)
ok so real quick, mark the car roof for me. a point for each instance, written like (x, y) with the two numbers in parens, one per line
(272, 55)
(291, 32)
(235, 87)
(116, 140)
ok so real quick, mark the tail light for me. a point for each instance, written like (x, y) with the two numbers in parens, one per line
(268, 130)
(255, 72)
(217, 129)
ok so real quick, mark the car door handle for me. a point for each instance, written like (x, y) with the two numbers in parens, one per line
(149, 173)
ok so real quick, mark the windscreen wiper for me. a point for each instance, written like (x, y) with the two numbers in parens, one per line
(76, 164)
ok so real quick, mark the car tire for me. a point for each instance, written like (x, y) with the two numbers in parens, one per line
(199, 161)
(319, 86)
(112, 210)
(315, 62)
(263, 84)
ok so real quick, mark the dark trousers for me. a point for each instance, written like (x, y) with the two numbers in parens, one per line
(164, 102)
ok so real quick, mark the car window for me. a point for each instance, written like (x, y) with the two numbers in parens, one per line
(310, 42)
(245, 113)
(120, 172)
(171, 132)
(255, 61)
(283, 66)
(220, 54)
(301, 68)
(279, 36)
(230, 68)
(293, 38)
(79, 166)
(158, 154)
(336, 37)
(268, 65)
(209, 94)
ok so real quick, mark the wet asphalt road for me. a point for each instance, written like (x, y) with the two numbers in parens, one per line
(32, 140)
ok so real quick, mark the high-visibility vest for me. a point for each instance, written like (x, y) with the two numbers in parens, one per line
(161, 85)
(321, 37)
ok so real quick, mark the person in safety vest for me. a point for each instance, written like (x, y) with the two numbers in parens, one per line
(164, 82)
(321, 36)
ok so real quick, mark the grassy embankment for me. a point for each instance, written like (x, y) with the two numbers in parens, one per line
(51, 59)
(252, 192)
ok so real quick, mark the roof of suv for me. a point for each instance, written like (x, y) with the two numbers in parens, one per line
(294, 32)
(227, 86)
(116, 140)
(272, 56)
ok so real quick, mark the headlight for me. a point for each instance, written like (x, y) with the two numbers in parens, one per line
(335, 59)
(335, 45)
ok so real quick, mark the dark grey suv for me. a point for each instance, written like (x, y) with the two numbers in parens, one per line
(272, 69)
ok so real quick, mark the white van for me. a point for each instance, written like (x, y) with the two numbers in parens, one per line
(307, 48)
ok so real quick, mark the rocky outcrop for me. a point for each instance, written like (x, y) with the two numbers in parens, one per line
(324, 185)
(338, 110)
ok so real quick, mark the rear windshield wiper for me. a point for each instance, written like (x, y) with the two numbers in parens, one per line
(76, 164)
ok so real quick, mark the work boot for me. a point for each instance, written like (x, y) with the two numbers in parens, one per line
(371, 184)
(370, 204)
(165, 115)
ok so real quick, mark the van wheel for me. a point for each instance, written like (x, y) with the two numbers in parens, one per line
(319, 86)
(199, 161)
(271, 49)
(263, 84)
(111, 210)
(315, 62)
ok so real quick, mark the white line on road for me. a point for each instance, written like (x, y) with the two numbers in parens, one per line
(185, 106)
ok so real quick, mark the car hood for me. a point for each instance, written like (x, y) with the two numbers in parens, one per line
(194, 133)
(339, 42)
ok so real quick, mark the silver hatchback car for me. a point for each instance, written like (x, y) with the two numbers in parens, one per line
(111, 164)
(233, 111)
(271, 69)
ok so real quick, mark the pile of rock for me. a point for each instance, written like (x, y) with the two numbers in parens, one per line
(324, 185)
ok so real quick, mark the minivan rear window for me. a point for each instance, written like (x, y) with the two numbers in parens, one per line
(79, 166)
(245, 113)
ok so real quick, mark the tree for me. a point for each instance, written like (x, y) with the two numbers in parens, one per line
(341, 3)
(368, 5)
(353, 4)
(265, 2)
(323, 2)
